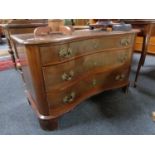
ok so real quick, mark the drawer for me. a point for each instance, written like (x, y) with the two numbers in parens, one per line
(100, 44)
(60, 53)
(102, 81)
(58, 75)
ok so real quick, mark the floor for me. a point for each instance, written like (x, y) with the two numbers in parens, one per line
(111, 112)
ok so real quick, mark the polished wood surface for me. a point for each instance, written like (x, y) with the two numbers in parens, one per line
(60, 71)
(81, 27)
(81, 22)
(139, 44)
(70, 93)
(61, 74)
(80, 48)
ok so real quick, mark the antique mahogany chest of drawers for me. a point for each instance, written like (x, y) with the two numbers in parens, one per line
(60, 71)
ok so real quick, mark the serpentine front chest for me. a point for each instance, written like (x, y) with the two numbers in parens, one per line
(60, 71)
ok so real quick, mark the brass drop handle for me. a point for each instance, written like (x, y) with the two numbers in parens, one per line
(94, 82)
(65, 53)
(120, 77)
(125, 42)
(69, 98)
(94, 63)
(67, 77)
(95, 45)
(123, 58)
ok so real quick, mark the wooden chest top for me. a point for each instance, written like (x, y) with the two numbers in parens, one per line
(63, 38)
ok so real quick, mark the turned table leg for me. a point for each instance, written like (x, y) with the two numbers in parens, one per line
(142, 57)
(11, 53)
(141, 61)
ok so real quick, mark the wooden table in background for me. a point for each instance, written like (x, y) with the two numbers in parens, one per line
(19, 27)
(147, 28)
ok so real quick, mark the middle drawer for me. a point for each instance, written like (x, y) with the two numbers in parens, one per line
(57, 75)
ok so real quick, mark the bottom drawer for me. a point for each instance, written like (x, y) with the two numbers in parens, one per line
(104, 81)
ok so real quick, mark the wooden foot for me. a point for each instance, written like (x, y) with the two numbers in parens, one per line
(153, 115)
(49, 124)
(125, 89)
(135, 85)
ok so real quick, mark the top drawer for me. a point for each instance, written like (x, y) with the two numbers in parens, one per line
(60, 53)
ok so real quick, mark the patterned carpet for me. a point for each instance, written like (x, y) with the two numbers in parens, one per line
(6, 64)
(5, 59)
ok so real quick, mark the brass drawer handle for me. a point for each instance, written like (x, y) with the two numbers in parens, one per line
(95, 63)
(69, 98)
(94, 82)
(122, 58)
(120, 77)
(67, 77)
(95, 45)
(65, 53)
(125, 42)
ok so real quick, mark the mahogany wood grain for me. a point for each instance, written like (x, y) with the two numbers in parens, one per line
(54, 75)
(50, 54)
(56, 98)
(34, 65)
(57, 112)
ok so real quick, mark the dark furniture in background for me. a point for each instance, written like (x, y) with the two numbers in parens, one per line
(19, 27)
(1, 32)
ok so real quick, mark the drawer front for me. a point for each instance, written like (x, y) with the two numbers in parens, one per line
(60, 53)
(53, 54)
(100, 44)
(58, 75)
(104, 81)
